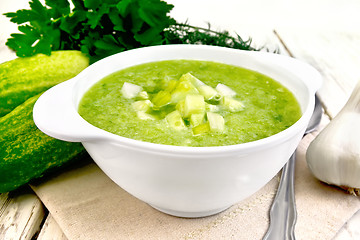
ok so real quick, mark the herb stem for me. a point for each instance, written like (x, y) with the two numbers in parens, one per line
(209, 30)
(189, 34)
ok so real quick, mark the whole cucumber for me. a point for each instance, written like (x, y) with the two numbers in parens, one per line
(23, 78)
(25, 152)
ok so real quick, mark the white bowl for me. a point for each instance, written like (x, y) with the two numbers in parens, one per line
(182, 181)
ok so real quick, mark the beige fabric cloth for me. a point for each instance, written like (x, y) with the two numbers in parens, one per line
(88, 205)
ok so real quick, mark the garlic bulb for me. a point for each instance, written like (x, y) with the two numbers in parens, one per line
(334, 155)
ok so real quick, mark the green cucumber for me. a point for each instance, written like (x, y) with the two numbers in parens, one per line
(23, 78)
(25, 152)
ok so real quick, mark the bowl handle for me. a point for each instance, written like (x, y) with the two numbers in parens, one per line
(56, 115)
(310, 75)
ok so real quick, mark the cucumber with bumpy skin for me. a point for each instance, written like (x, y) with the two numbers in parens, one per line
(25, 152)
(23, 78)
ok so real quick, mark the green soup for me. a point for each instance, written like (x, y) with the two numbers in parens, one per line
(268, 107)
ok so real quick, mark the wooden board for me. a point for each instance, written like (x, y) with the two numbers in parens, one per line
(51, 230)
(21, 214)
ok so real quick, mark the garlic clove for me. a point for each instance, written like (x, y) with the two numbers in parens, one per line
(334, 155)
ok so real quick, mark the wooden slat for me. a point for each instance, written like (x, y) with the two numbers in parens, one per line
(335, 54)
(21, 215)
(351, 229)
(51, 230)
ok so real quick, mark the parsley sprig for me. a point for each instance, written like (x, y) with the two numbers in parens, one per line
(102, 28)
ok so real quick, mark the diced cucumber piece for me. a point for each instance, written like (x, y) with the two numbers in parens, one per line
(171, 85)
(175, 120)
(145, 116)
(161, 99)
(225, 90)
(194, 80)
(142, 105)
(130, 90)
(180, 106)
(143, 95)
(232, 104)
(200, 129)
(211, 107)
(197, 119)
(209, 92)
(183, 88)
(193, 104)
(216, 122)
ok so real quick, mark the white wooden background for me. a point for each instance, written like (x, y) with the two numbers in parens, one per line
(325, 33)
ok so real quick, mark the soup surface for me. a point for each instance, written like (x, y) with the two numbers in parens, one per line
(268, 107)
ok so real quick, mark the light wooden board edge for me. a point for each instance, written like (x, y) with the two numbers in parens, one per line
(51, 230)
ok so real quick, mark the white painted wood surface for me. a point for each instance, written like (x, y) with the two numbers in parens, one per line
(21, 215)
(324, 33)
(351, 229)
(51, 230)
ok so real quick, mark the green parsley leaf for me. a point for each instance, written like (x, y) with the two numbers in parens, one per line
(33, 41)
(94, 18)
(72, 23)
(154, 13)
(124, 7)
(58, 8)
(116, 20)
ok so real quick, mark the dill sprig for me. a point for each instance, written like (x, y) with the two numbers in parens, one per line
(184, 33)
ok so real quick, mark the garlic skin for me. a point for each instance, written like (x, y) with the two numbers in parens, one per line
(334, 155)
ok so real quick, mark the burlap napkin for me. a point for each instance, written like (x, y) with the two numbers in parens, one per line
(88, 205)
